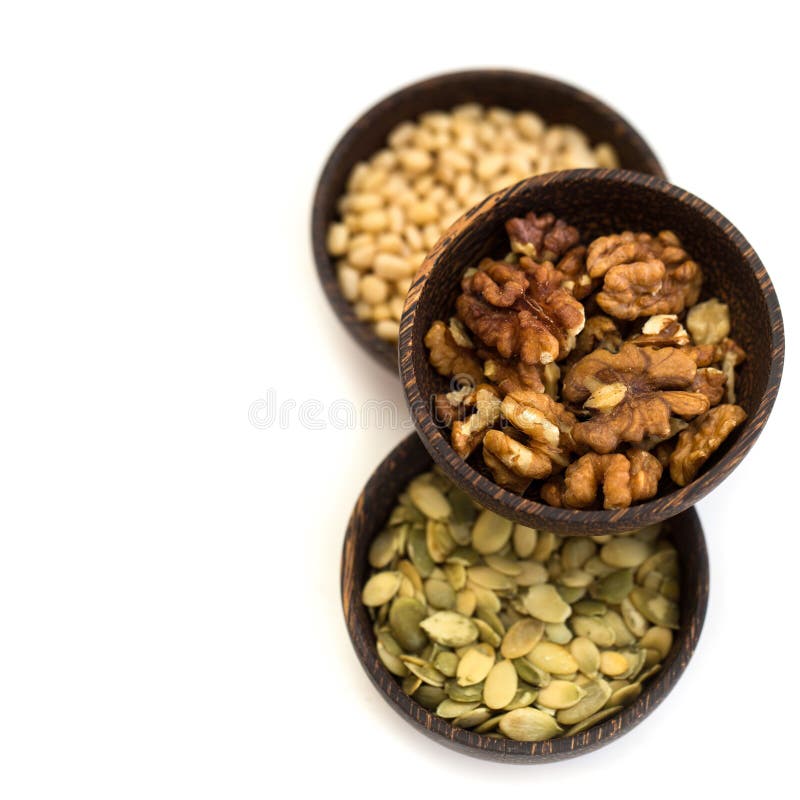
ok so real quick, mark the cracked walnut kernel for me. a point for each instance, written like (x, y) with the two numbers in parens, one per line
(450, 358)
(542, 236)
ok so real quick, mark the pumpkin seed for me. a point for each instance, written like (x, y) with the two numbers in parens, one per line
(614, 588)
(380, 588)
(625, 695)
(586, 655)
(529, 725)
(576, 551)
(464, 694)
(463, 510)
(405, 616)
(474, 666)
(612, 663)
(456, 575)
(658, 639)
(429, 696)
(524, 696)
(649, 672)
(671, 589)
(622, 636)
(545, 544)
(391, 661)
(418, 552)
(553, 658)
(491, 532)
(558, 632)
(597, 567)
(655, 608)
(447, 663)
(465, 602)
(485, 598)
(423, 670)
(593, 720)
(530, 673)
(589, 608)
(531, 573)
(449, 709)
(560, 694)
(625, 552)
(575, 579)
(521, 638)
(664, 562)
(594, 628)
(597, 694)
(438, 540)
(465, 556)
(383, 549)
(472, 718)
(503, 564)
(500, 685)
(486, 633)
(545, 603)
(489, 578)
(635, 622)
(411, 683)
(449, 628)
(440, 594)
(523, 540)
(429, 500)
(571, 594)
(489, 725)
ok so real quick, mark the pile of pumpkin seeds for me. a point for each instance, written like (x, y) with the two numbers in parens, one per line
(510, 631)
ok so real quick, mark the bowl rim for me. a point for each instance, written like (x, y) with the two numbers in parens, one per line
(575, 521)
(385, 352)
(475, 744)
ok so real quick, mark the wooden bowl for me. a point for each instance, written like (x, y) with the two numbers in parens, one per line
(370, 514)
(556, 102)
(599, 202)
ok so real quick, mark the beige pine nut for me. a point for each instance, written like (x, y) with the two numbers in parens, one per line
(530, 125)
(388, 329)
(381, 312)
(391, 243)
(385, 159)
(489, 165)
(374, 221)
(396, 306)
(374, 179)
(362, 257)
(365, 201)
(430, 235)
(403, 286)
(356, 180)
(349, 280)
(423, 212)
(373, 289)
(402, 135)
(338, 237)
(413, 236)
(396, 219)
(415, 160)
(391, 267)
(363, 311)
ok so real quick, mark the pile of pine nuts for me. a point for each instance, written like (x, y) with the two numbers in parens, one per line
(399, 202)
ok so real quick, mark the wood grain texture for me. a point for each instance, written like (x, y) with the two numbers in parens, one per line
(599, 202)
(370, 514)
(555, 101)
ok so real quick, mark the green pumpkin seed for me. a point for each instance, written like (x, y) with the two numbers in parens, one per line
(589, 608)
(649, 672)
(546, 543)
(655, 608)
(464, 694)
(472, 718)
(613, 588)
(411, 683)
(531, 573)
(575, 578)
(593, 720)
(622, 635)
(418, 552)
(560, 694)
(671, 589)
(450, 709)
(521, 638)
(625, 695)
(438, 540)
(524, 696)
(440, 594)
(524, 540)
(383, 549)
(576, 552)
(463, 510)
(405, 616)
(380, 588)
(612, 663)
(503, 564)
(558, 632)
(500, 685)
(485, 598)
(489, 725)
(491, 619)
(634, 621)
(553, 658)
(456, 575)
(491, 532)
(424, 671)
(665, 562)
(658, 639)
(545, 603)
(530, 673)
(429, 696)
(625, 552)
(391, 661)
(571, 594)
(465, 556)
(597, 567)
(486, 633)
(586, 655)
(489, 578)
(597, 694)
(529, 725)
(594, 628)
(449, 628)
(474, 666)
(429, 500)
(447, 663)
(466, 602)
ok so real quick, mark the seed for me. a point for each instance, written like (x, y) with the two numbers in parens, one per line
(544, 603)
(472, 718)
(622, 635)
(446, 662)
(457, 576)
(503, 564)
(560, 694)
(465, 602)
(391, 661)
(383, 549)
(438, 540)
(491, 533)
(612, 663)
(659, 639)
(529, 725)
(380, 588)
(449, 628)
(429, 696)
(449, 709)
(440, 594)
(615, 587)
(625, 552)
(489, 578)
(424, 671)
(576, 578)
(664, 561)
(624, 695)
(418, 551)
(635, 622)
(429, 500)
(524, 540)
(500, 685)
(487, 634)
(474, 666)
(594, 628)
(592, 720)
(576, 552)
(596, 694)
(405, 617)
(553, 658)
(558, 632)
(586, 655)
(655, 608)
(532, 572)
(521, 638)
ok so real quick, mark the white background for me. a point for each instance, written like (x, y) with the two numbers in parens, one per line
(170, 623)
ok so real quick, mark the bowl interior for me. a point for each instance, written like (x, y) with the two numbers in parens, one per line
(370, 514)
(556, 102)
(599, 202)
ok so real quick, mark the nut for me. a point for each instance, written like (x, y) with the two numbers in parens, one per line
(542, 237)
(513, 465)
(468, 434)
(520, 313)
(599, 332)
(625, 479)
(662, 330)
(643, 275)
(512, 376)
(636, 392)
(709, 322)
(702, 438)
(450, 358)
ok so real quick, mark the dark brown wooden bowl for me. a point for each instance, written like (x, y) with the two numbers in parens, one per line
(370, 514)
(555, 101)
(599, 202)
